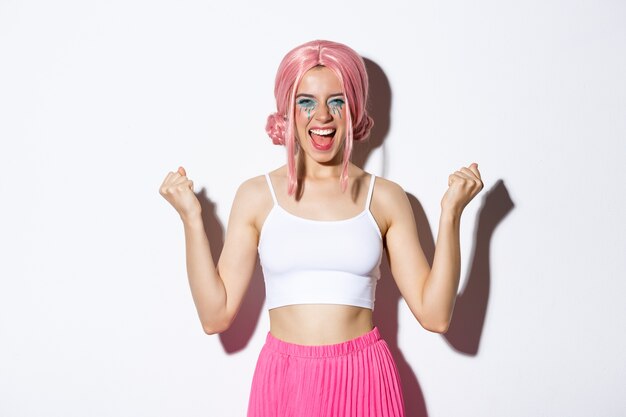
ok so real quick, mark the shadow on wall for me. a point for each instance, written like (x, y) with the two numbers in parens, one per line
(468, 319)
(466, 327)
(241, 330)
(470, 309)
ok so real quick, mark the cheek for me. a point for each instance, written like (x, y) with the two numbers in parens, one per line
(302, 121)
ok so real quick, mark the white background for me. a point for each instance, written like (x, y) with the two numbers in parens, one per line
(99, 100)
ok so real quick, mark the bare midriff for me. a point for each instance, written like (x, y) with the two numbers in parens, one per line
(319, 324)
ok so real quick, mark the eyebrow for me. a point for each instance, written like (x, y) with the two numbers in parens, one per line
(312, 96)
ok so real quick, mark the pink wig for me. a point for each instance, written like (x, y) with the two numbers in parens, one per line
(349, 68)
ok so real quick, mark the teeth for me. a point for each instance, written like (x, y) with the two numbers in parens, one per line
(322, 132)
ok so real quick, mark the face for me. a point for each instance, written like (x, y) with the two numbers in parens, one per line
(320, 118)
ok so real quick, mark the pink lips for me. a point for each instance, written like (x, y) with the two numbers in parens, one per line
(321, 143)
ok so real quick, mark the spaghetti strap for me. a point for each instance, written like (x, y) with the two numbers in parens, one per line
(269, 184)
(370, 192)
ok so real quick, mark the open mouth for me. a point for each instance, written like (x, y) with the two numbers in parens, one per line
(322, 138)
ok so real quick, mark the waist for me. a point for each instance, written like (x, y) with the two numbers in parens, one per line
(323, 351)
(319, 324)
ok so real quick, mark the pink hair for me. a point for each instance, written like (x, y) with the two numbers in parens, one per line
(349, 68)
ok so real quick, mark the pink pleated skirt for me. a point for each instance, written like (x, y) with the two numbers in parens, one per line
(356, 378)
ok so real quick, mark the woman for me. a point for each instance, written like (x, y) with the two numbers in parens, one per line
(319, 225)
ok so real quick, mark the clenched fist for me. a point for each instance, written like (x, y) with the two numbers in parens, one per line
(178, 190)
(463, 185)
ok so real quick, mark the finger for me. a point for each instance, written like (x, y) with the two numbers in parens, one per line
(182, 171)
(454, 177)
(466, 173)
(188, 184)
(180, 187)
(166, 181)
(173, 178)
(474, 168)
(180, 180)
(470, 174)
(168, 177)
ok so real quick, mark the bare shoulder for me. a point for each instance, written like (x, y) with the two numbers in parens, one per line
(253, 193)
(252, 189)
(388, 193)
(251, 200)
(256, 191)
(389, 201)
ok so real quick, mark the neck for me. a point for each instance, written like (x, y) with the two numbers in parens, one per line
(314, 170)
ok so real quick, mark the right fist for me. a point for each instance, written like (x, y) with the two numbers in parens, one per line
(177, 189)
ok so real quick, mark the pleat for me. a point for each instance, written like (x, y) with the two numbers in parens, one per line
(381, 395)
(359, 401)
(392, 402)
(334, 386)
(369, 382)
(357, 378)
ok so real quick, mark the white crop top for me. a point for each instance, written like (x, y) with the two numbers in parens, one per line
(309, 261)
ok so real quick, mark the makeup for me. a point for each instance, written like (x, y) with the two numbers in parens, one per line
(319, 97)
(336, 105)
(307, 105)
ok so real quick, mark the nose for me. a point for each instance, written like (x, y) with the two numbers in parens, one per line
(323, 113)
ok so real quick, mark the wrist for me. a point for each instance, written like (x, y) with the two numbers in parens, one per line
(192, 220)
(449, 213)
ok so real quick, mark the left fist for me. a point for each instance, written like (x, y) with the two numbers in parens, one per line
(463, 185)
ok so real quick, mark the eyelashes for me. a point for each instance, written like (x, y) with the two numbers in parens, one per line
(336, 105)
(309, 105)
(306, 103)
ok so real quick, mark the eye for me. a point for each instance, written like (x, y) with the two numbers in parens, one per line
(306, 103)
(336, 105)
(336, 102)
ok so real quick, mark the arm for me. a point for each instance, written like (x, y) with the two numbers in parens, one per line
(207, 287)
(217, 291)
(429, 293)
